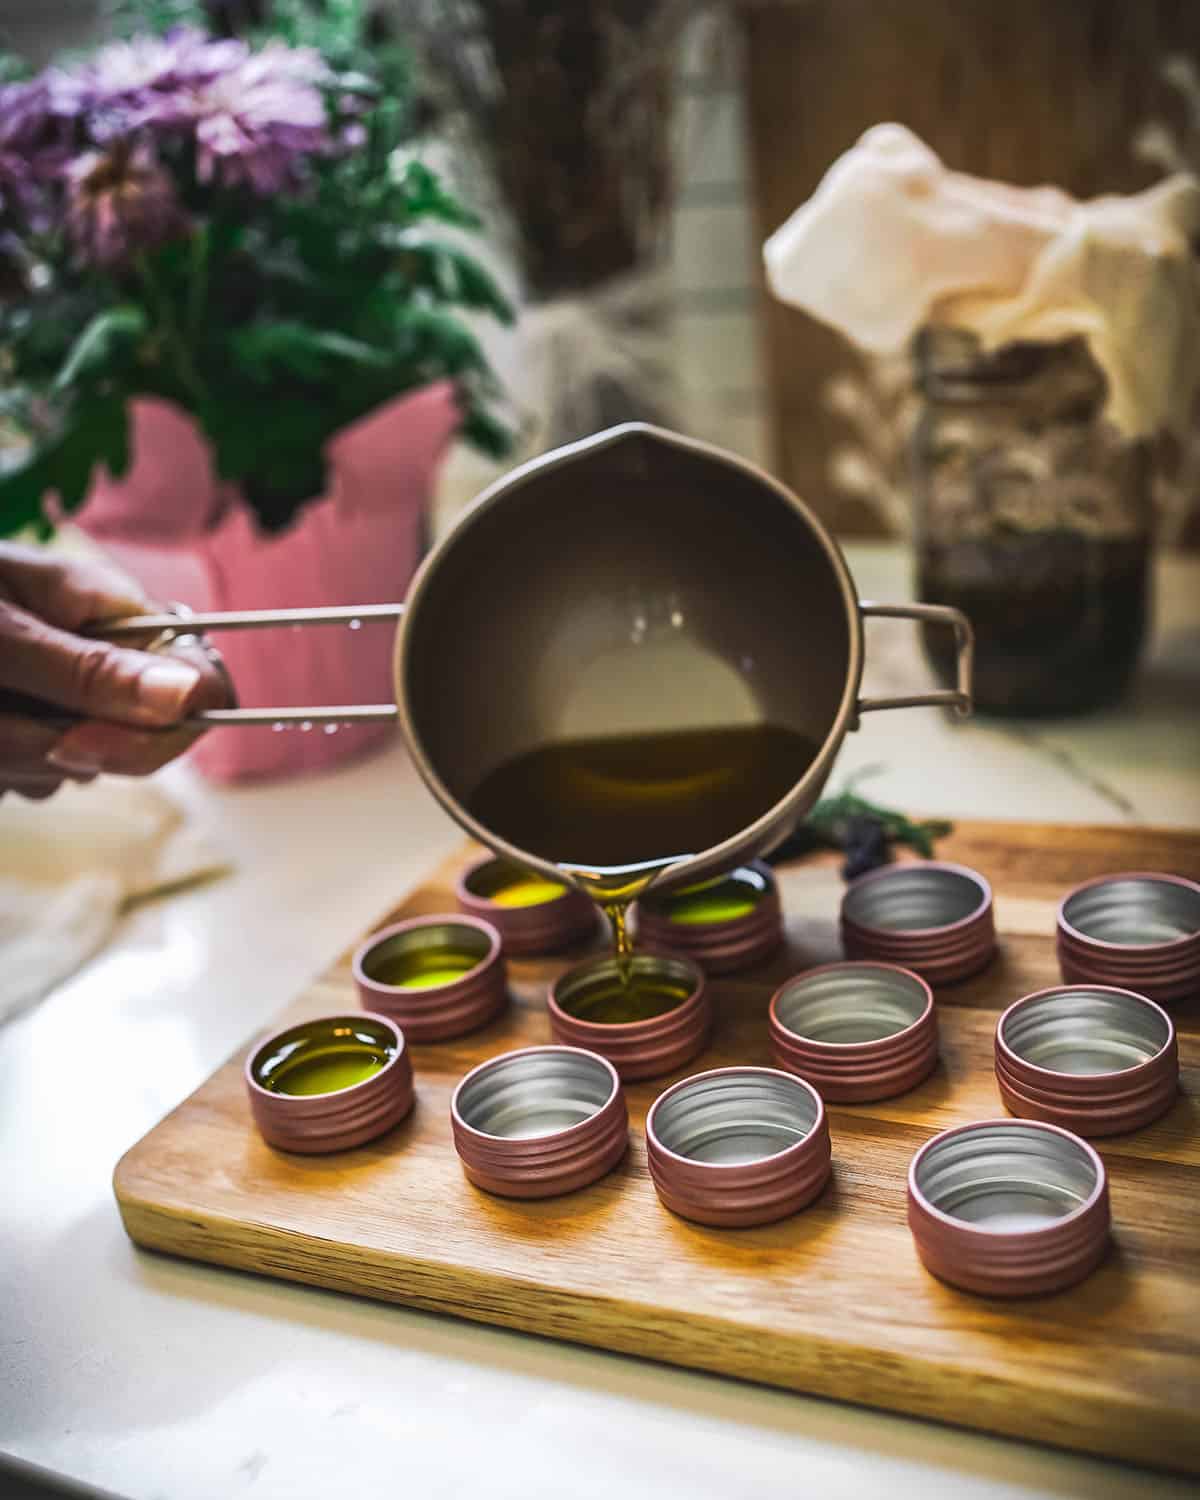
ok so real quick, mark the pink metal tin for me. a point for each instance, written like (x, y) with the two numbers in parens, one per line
(541, 927)
(721, 946)
(539, 1122)
(855, 1031)
(1138, 930)
(436, 1011)
(637, 1049)
(737, 1147)
(1008, 1208)
(346, 1117)
(932, 917)
(1092, 1058)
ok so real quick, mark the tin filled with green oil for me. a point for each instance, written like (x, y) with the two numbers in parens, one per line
(323, 1057)
(426, 956)
(726, 923)
(609, 992)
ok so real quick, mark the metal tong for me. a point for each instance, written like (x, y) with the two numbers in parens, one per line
(194, 623)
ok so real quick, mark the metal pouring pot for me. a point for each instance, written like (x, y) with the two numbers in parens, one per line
(635, 582)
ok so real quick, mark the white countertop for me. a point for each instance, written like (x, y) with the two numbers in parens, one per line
(160, 1378)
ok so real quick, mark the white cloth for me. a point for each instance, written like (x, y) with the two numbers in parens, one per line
(70, 865)
(892, 240)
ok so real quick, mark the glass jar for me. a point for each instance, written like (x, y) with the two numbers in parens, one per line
(1033, 516)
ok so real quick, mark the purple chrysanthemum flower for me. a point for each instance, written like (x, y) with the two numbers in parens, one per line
(256, 123)
(33, 147)
(255, 115)
(120, 202)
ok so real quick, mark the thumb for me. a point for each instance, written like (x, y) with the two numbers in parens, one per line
(90, 677)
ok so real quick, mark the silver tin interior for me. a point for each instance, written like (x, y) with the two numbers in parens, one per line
(448, 937)
(603, 972)
(844, 1006)
(1086, 1030)
(536, 1093)
(1135, 912)
(912, 897)
(1007, 1176)
(735, 1117)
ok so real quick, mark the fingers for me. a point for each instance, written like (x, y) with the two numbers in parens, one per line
(93, 678)
(24, 766)
(68, 592)
(33, 788)
(95, 745)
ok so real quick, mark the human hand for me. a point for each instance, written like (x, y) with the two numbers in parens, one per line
(72, 706)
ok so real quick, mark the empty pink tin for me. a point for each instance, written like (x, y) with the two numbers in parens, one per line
(645, 1048)
(725, 924)
(1091, 1058)
(531, 913)
(1008, 1208)
(1138, 930)
(437, 977)
(855, 1031)
(934, 918)
(302, 1089)
(737, 1147)
(539, 1122)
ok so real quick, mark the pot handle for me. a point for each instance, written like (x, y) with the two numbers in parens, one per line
(958, 698)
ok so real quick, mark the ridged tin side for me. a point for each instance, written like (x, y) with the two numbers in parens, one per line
(1008, 1208)
(445, 1010)
(539, 1122)
(317, 1123)
(737, 1147)
(855, 1031)
(932, 917)
(1139, 930)
(637, 1049)
(1092, 1058)
(544, 927)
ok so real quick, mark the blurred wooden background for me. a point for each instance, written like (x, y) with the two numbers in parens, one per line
(1028, 91)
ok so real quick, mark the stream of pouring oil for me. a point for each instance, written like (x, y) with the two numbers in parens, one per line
(614, 811)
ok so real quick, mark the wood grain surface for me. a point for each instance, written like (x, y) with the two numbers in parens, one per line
(833, 1301)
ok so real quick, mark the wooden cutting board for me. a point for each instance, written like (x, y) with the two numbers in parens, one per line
(833, 1301)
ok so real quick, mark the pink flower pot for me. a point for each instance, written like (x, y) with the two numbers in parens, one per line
(188, 538)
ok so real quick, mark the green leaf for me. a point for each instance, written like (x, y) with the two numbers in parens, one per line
(425, 196)
(447, 270)
(103, 345)
(95, 432)
(438, 342)
(265, 350)
(484, 432)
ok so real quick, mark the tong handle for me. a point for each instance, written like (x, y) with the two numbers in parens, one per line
(249, 619)
(194, 622)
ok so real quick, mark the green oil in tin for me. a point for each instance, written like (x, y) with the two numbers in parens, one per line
(323, 1058)
(422, 968)
(615, 995)
(724, 899)
(515, 888)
